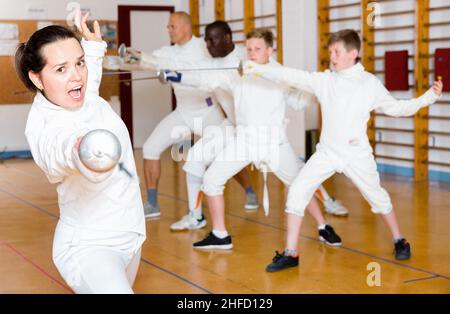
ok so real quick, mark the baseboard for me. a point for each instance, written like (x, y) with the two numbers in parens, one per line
(15, 154)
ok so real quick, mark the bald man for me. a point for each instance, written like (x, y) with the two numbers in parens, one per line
(195, 110)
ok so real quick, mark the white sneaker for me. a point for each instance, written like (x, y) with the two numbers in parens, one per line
(188, 222)
(335, 207)
(251, 203)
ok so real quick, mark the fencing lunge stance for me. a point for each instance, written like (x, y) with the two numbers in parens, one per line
(101, 228)
(347, 95)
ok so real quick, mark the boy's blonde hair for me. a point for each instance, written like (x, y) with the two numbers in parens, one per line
(263, 33)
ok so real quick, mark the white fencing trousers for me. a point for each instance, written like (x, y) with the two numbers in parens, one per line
(208, 147)
(361, 170)
(175, 128)
(97, 262)
(282, 161)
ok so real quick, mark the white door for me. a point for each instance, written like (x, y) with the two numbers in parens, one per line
(151, 100)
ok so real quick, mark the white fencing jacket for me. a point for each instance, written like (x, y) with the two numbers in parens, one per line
(109, 201)
(223, 96)
(346, 97)
(260, 107)
(294, 98)
(191, 102)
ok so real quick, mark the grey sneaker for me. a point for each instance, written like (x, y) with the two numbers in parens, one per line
(335, 207)
(251, 203)
(188, 222)
(151, 211)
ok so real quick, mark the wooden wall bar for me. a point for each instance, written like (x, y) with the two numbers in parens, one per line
(219, 10)
(368, 57)
(280, 30)
(194, 11)
(249, 14)
(323, 9)
(421, 86)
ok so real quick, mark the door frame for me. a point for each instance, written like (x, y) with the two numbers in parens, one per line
(124, 36)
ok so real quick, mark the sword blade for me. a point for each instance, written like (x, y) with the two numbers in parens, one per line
(206, 69)
(126, 72)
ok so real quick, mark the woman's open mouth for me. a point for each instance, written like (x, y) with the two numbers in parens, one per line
(75, 92)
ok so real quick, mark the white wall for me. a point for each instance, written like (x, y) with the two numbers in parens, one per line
(13, 117)
(300, 51)
(152, 101)
(56, 9)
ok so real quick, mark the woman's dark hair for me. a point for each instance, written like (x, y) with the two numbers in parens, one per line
(29, 55)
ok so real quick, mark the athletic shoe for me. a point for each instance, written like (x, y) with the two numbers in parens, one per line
(251, 203)
(281, 261)
(329, 236)
(211, 242)
(335, 207)
(151, 211)
(402, 249)
(188, 222)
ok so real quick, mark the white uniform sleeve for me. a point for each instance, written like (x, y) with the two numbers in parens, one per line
(149, 61)
(401, 108)
(289, 76)
(209, 82)
(54, 152)
(93, 53)
(298, 99)
(162, 58)
(166, 59)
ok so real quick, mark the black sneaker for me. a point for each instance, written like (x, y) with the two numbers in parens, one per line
(402, 249)
(211, 242)
(281, 261)
(330, 237)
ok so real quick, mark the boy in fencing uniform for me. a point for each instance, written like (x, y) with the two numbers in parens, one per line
(347, 95)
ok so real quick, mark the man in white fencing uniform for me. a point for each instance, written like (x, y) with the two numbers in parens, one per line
(195, 110)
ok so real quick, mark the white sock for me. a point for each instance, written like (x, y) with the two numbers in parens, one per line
(220, 234)
(194, 184)
(321, 226)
